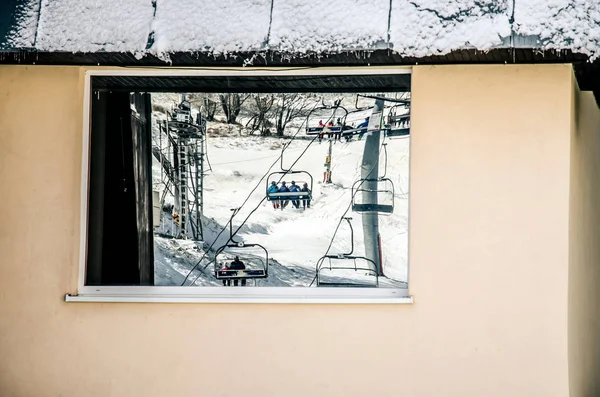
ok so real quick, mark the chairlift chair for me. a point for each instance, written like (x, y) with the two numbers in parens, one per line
(398, 124)
(346, 271)
(398, 119)
(315, 130)
(383, 192)
(393, 117)
(305, 177)
(254, 256)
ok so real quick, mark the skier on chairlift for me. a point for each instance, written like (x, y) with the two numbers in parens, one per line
(322, 131)
(273, 189)
(338, 134)
(226, 282)
(305, 200)
(284, 200)
(364, 126)
(295, 199)
(329, 131)
(237, 264)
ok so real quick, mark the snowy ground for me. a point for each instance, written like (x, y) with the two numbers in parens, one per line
(295, 238)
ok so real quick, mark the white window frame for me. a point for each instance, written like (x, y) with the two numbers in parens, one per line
(187, 294)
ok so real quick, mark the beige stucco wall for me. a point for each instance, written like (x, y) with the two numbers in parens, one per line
(488, 264)
(584, 252)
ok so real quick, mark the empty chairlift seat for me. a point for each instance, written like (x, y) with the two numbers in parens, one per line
(398, 120)
(346, 271)
(373, 196)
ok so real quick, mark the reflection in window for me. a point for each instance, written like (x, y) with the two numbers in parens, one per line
(294, 189)
(285, 190)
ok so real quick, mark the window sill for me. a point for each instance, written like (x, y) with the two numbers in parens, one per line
(240, 295)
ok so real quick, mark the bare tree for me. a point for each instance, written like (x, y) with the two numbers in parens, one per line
(207, 102)
(289, 107)
(210, 108)
(232, 104)
(259, 120)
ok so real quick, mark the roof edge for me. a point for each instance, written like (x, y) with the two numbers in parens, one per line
(586, 70)
(380, 57)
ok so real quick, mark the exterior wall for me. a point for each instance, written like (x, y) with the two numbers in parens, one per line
(584, 248)
(488, 263)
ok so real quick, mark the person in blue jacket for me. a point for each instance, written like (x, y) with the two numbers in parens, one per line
(295, 201)
(284, 200)
(306, 200)
(273, 189)
(364, 126)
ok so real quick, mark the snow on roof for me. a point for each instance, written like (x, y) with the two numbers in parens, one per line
(330, 25)
(217, 26)
(410, 27)
(432, 27)
(94, 25)
(572, 24)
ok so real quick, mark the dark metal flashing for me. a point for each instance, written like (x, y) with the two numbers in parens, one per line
(279, 59)
(241, 84)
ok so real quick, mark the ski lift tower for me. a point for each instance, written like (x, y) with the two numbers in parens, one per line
(369, 171)
(189, 150)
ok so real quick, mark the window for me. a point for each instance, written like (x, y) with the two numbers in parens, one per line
(262, 185)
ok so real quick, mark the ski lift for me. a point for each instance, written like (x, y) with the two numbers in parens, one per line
(298, 177)
(346, 271)
(304, 177)
(373, 196)
(400, 120)
(340, 121)
(237, 260)
(253, 257)
(398, 124)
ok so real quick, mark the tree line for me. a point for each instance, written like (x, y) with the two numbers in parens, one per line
(267, 114)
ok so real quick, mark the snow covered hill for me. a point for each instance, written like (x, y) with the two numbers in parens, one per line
(295, 238)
